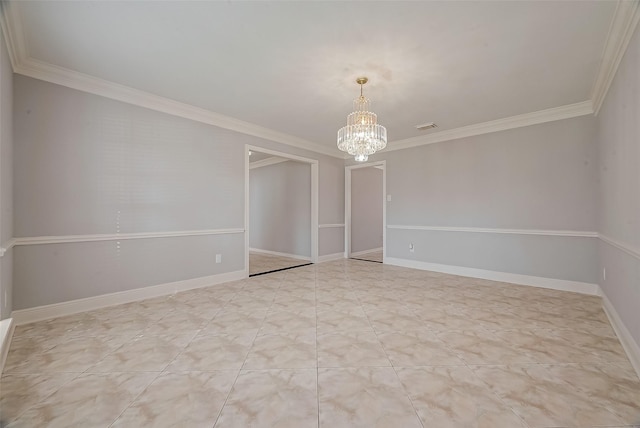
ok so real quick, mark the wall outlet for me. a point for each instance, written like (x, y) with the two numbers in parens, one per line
(411, 248)
(218, 258)
(388, 198)
(604, 273)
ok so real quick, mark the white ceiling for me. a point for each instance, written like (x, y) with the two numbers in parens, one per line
(291, 66)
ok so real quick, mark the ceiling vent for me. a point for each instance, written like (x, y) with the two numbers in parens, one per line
(426, 126)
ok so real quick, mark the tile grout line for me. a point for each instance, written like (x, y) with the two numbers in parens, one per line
(361, 293)
(241, 367)
(317, 360)
(392, 366)
(159, 373)
(17, 417)
(136, 397)
(467, 365)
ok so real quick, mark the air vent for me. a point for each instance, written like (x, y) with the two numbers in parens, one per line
(425, 126)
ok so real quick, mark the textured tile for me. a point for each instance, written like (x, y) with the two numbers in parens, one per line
(343, 320)
(143, 354)
(74, 355)
(221, 352)
(192, 399)
(469, 352)
(280, 321)
(260, 262)
(408, 349)
(283, 351)
(542, 399)
(372, 256)
(350, 349)
(88, 400)
(482, 347)
(401, 319)
(228, 321)
(615, 385)
(363, 397)
(455, 397)
(177, 322)
(272, 398)
(18, 392)
(250, 302)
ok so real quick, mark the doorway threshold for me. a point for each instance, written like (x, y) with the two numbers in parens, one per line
(279, 270)
(365, 260)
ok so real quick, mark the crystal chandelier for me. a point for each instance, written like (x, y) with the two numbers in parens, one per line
(362, 136)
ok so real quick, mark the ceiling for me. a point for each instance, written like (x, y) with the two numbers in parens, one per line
(291, 66)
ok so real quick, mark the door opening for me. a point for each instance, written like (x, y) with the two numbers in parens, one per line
(365, 212)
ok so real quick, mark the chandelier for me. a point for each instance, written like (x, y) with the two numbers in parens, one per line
(362, 136)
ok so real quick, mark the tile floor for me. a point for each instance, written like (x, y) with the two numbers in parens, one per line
(374, 256)
(260, 262)
(338, 344)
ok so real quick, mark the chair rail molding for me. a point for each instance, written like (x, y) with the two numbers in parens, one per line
(39, 240)
(633, 252)
(571, 233)
(7, 246)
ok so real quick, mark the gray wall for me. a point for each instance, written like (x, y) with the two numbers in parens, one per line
(619, 189)
(6, 179)
(280, 208)
(366, 209)
(538, 177)
(85, 164)
(331, 209)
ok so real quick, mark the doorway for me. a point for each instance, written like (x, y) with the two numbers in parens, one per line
(281, 211)
(365, 212)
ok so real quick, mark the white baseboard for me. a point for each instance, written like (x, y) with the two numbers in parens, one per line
(330, 257)
(359, 253)
(25, 316)
(630, 346)
(6, 333)
(514, 278)
(275, 253)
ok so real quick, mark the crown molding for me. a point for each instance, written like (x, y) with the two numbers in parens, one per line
(23, 64)
(72, 79)
(624, 22)
(11, 23)
(273, 160)
(519, 121)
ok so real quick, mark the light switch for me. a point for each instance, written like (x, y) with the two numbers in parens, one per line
(388, 198)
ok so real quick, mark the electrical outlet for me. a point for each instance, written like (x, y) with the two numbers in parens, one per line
(411, 248)
(218, 258)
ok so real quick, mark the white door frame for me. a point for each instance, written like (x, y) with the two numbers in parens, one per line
(347, 205)
(314, 199)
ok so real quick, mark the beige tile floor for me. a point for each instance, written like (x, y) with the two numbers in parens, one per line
(374, 256)
(260, 262)
(338, 344)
